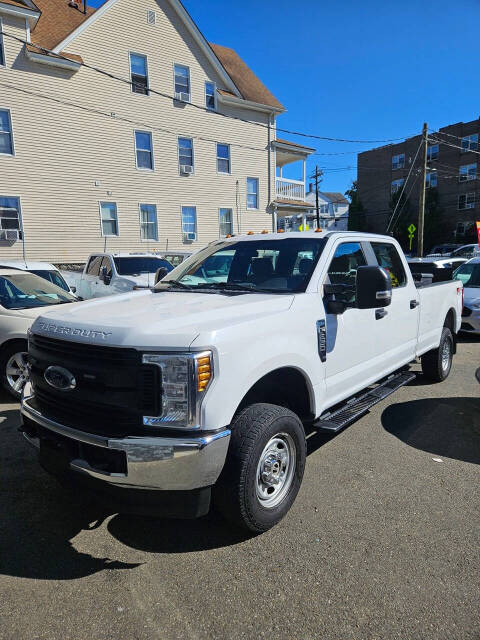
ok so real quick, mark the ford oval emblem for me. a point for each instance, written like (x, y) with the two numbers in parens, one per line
(60, 378)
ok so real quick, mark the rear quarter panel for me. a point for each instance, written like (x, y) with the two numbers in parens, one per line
(435, 303)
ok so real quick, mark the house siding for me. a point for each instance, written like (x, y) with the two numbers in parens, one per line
(66, 139)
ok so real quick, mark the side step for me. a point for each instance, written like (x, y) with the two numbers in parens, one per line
(334, 420)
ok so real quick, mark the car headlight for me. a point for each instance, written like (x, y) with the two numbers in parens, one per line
(185, 380)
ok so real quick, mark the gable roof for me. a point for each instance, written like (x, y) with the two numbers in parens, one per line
(57, 21)
(336, 197)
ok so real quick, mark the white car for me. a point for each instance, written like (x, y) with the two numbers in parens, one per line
(23, 297)
(43, 269)
(466, 251)
(469, 275)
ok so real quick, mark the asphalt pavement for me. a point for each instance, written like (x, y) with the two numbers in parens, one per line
(382, 543)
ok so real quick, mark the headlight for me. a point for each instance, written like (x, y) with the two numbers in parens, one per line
(185, 380)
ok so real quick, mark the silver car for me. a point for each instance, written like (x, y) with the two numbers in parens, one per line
(469, 274)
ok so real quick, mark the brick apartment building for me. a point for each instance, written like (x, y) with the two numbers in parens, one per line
(452, 183)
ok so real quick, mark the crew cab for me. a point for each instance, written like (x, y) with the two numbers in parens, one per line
(203, 387)
(107, 274)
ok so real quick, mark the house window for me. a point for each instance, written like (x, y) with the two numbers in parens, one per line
(431, 179)
(6, 137)
(467, 172)
(148, 222)
(226, 222)
(182, 83)
(398, 162)
(189, 224)
(144, 150)
(470, 143)
(185, 155)
(139, 73)
(252, 193)
(397, 185)
(9, 213)
(109, 218)
(432, 152)
(2, 48)
(223, 158)
(466, 201)
(323, 208)
(210, 96)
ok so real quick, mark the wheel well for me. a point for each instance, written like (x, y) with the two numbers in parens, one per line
(450, 323)
(285, 387)
(6, 345)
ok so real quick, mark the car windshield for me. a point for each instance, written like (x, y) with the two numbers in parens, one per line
(52, 276)
(273, 266)
(27, 291)
(464, 252)
(469, 274)
(136, 265)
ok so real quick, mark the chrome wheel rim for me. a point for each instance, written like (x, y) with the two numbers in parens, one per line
(446, 351)
(17, 371)
(275, 470)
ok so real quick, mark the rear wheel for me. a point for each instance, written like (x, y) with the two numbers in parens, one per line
(437, 363)
(13, 367)
(264, 467)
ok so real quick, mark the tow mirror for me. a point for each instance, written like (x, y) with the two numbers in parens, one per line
(106, 277)
(160, 274)
(374, 288)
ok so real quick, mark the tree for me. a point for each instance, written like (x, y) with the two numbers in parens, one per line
(356, 211)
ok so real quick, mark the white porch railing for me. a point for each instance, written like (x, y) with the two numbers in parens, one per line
(290, 189)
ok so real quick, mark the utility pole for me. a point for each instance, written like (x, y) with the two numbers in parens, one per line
(421, 209)
(317, 176)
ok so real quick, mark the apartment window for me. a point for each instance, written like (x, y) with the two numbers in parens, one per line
(210, 96)
(432, 152)
(109, 219)
(467, 172)
(148, 222)
(139, 73)
(252, 193)
(226, 222)
(144, 150)
(185, 155)
(9, 213)
(2, 48)
(398, 162)
(6, 136)
(182, 83)
(466, 201)
(470, 143)
(189, 224)
(397, 185)
(431, 179)
(223, 158)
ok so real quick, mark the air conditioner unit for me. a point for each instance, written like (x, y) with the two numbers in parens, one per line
(191, 237)
(187, 169)
(10, 235)
(182, 97)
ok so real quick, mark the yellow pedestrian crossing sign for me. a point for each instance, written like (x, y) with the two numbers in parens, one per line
(302, 228)
(411, 232)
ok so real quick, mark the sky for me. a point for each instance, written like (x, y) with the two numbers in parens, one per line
(369, 70)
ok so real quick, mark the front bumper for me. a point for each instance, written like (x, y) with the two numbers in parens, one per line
(153, 463)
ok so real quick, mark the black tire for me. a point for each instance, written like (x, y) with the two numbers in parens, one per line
(236, 494)
(17, 346)
(435, 364)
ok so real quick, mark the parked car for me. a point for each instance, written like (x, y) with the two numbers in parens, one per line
(107, 274)
(469, 275)
(23, 297)
(43, 269)
(441, 269)
(202, 386)
(466, 251)
(442, 249)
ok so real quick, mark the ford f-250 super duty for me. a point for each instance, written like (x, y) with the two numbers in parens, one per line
(203, 386)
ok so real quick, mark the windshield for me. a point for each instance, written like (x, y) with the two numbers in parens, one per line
(26, 291)
(54, 277)
(464, 252)
(469, 274)
(136, 266)
(274, 266)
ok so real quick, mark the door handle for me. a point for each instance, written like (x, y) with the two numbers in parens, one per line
(380, 313)
(414, 304)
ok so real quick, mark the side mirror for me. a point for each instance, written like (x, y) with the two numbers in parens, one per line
(160, 274)
(73, 289)
(105, 276)
(374, 288)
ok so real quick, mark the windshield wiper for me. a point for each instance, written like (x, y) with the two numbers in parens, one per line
(235, 286)
(176, 283)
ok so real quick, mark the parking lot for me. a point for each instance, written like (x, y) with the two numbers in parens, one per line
(382, 542)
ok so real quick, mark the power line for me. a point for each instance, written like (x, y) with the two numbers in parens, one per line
(404, 185)
(454, 146)
(191, 104)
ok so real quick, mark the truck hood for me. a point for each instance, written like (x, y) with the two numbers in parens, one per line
(156, 320)
(142, 280)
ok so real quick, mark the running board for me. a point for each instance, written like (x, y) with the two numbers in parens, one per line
(333, 421)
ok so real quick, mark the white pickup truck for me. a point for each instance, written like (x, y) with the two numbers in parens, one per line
(202, 388)
(107, 274)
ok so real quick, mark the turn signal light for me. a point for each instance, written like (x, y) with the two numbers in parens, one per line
(250, 233)
(229, 235)
(318, 231)
(264, 231)
(204, 373)
(281, 231)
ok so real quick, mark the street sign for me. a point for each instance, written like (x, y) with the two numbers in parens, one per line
(411, 233)
(307, 228)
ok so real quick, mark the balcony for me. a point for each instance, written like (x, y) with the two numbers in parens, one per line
(290, 189)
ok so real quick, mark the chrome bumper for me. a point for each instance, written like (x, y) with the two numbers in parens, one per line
(168, 464)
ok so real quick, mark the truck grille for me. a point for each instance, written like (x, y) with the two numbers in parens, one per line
(114, 390)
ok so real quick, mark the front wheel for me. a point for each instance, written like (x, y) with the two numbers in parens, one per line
(14, 369)
(264, 467)
(437, 363)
